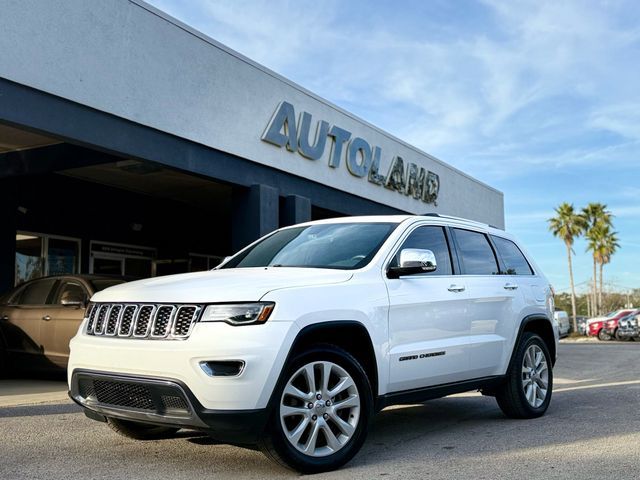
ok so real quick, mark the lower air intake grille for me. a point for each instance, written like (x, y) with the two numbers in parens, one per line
(142, 321)
(123, 394)
(132, 395)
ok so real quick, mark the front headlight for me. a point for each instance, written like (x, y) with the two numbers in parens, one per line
(239, 313)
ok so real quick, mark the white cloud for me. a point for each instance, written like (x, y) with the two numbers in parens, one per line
(472, 98)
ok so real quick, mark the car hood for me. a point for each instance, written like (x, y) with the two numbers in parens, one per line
(214, 286)
(597, 319)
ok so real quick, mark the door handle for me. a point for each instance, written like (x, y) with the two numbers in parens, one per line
(4, 317)
(510, 286)
(456, 288)
(46, 318)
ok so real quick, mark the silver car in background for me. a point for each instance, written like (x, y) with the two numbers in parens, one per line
(564, 325)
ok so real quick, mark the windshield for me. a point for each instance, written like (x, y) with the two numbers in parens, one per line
(344, 246)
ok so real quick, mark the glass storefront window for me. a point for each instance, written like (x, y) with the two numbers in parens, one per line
(29, 258)
(62, 256)
(41, 255)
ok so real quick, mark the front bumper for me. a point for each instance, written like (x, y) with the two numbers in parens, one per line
(166, 402)
(262, 348)
(628, 332)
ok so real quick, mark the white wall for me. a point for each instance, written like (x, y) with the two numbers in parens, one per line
(128, 59)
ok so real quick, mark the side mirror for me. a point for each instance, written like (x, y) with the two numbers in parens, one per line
(414, 261)
(70, 300)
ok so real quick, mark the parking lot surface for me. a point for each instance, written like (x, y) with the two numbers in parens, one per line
(591, 430)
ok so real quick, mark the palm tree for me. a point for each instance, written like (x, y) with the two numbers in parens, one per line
(608, 246)
(567, 225)
(596, 236)
(596, 216)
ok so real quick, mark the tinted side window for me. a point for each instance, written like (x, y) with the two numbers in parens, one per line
(476, 254)
(512, 257)
(429, 238)
(36, 293)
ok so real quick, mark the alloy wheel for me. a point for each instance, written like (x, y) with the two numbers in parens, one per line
(320, 408)
(535, 376)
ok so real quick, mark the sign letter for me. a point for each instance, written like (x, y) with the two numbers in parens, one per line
(281, 130)
(395, 179)
(315, 151)
(339, 137)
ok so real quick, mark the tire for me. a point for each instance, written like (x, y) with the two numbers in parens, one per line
(617, 336)
(512, 396)
(304, 416)
(603, 336)
(140, 431)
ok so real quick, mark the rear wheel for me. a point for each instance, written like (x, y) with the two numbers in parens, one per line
(140, 431)
(322, 416)
(527, 391)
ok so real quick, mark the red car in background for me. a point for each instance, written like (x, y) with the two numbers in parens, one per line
(610, 326)
(600, 327)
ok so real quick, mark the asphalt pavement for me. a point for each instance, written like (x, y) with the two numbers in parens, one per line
(591, 430)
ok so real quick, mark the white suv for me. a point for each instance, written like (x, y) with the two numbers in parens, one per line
(297, 340)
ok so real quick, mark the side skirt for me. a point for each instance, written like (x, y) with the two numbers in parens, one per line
(418, 395)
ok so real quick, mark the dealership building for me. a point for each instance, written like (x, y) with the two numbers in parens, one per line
(133, 144)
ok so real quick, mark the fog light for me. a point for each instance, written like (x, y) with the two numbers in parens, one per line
(231, 368)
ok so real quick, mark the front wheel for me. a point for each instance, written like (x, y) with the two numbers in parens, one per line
(603, 336)
(322, 416)
(617, 336)
(527, 391)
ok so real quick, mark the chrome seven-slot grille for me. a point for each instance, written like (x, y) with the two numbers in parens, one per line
(153, 321)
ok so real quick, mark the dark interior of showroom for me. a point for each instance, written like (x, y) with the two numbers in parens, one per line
(104, 214)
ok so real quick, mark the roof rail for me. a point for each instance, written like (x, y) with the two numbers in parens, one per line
(451, 217)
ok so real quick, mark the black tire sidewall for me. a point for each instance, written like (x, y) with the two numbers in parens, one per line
(288, 452)
(528, 340)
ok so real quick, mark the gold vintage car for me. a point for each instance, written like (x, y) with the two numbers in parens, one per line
(39, 317)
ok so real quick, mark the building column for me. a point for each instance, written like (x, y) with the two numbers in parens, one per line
(296, 209)
(8, 226)
(255, 212)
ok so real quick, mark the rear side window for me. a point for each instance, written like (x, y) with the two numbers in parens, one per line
(429, 238)
(475, 252)
(35, 293)
(513, 259)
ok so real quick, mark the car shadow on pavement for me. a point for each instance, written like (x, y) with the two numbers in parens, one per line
(474, 427)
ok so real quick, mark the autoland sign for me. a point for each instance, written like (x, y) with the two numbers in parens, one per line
(362, 160)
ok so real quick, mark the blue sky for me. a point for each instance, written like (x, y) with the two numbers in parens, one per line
(540, 99)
